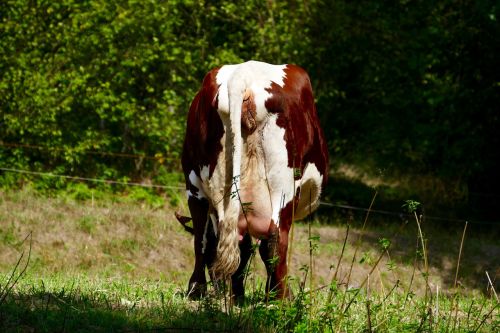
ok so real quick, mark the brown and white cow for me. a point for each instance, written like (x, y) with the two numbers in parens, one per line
(254, 159)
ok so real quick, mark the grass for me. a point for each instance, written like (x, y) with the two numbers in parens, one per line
(115, 265)
(102, 305)
(86, 304)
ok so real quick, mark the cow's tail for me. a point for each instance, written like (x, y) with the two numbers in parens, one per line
(228, 252)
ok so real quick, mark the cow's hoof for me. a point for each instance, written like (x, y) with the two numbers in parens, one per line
(196, 290)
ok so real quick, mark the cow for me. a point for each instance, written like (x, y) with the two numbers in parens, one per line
(254, 160)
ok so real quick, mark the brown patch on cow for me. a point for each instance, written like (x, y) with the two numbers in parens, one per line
(249, 112)
(294, 105)
(202, 144)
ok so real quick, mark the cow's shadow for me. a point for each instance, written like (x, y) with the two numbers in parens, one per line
(82, 312)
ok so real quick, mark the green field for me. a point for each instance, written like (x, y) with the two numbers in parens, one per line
(118, 264)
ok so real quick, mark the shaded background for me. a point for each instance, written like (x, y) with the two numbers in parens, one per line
(408, 92)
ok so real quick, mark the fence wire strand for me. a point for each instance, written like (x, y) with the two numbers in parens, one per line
(322, 203)
(96, 180)
(10, 145)
(401, 215)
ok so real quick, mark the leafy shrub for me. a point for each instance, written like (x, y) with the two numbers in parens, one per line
(407, 87)
(146, 195)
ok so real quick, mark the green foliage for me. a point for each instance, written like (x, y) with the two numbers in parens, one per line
(411, 206)
(91, 76)
(384, 243)
(87, 224)
(79, 191)
(146, 195)
(407, 87)
(77, 75)
(411, 87)
(366, 259)
(313, 243)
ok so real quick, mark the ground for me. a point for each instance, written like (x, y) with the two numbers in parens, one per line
(119, 264)
(119, 237)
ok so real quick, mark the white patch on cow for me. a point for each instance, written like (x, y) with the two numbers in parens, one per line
(254, 75)
(310, 190)
(214, 223)
(233, 81)
(222, 78)
(264, 75)
(197, 182)
(279, 175)
(205, 241)
(204, 173)
(311, 173)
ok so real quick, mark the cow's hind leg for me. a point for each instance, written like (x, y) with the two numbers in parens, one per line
(267, 250)
(199, 212)
(274, 257)
(238, 278)
(273, 252)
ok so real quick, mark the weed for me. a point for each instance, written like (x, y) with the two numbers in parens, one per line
(79, 191)
(87, 224)
(141, 194)
(8, 235)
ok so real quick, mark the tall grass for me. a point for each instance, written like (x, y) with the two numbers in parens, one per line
(363, 296)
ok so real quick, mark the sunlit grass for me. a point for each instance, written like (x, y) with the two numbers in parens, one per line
(108, 265)
(62, 303)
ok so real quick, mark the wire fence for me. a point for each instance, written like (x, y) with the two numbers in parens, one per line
(95, 180)
(173, 187)
(10, 145)
(402, 215)
(159, 157)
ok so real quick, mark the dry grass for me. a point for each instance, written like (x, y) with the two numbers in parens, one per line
(106, 238)
(119, 238)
